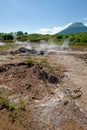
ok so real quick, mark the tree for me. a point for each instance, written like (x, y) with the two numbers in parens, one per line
(19, 33)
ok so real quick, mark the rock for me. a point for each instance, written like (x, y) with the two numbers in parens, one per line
(43, 75)
(41, 52)
(66, 102)
(53, 79)
(28, 88)
(23, 50)
(76, 93)
(2, 69)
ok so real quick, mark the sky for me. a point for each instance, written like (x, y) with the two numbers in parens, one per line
(41, 16)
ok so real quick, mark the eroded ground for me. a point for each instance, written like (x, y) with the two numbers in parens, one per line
(57, 105)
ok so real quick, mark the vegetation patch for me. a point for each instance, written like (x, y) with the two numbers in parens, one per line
(22, 103)
(30, 62)
(6, 46)
(45, 72)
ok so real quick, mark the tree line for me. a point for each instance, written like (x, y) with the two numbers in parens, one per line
(74, 39)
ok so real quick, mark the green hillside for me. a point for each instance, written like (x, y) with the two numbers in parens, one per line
(74, 39)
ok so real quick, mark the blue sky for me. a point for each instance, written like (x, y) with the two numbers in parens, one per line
(40, 16)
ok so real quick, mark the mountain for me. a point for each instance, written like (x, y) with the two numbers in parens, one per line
(74, 28)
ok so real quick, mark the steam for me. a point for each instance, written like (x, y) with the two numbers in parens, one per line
(41, 46)
(65, 45)
(2, 43)
(45, 48)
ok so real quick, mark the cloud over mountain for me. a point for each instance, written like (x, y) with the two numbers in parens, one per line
(52, 30)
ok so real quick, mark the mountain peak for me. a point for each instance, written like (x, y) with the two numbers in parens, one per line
(74, 28)
(77, 24)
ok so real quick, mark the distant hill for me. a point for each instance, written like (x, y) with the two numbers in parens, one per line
(74, 28)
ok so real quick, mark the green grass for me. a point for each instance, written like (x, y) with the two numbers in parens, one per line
(7, 46)
(30, 62)
(22, 104)
(46, 64)
(5, 103)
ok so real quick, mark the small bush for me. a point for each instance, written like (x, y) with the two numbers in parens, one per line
(46, 64)
(13, 116)
(5, 103)
(22, 104)
(30, 62)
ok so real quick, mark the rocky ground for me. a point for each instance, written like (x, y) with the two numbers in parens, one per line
(50, 94)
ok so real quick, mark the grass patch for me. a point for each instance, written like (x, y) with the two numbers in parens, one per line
(6, 104)
(22, 104)
(45, 63)
(30, 62)
(7, 46)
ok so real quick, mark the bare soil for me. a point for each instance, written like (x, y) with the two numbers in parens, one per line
(58, 105)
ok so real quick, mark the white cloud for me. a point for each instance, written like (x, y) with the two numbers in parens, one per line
(50, 30)
(85, 24)
(53, 30)
(67, 25)
(85, 18)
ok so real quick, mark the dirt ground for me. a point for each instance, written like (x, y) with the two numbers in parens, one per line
(54, 105)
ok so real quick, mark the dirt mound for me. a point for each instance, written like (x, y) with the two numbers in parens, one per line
(29, 79)
(26, 51)
(44, 74)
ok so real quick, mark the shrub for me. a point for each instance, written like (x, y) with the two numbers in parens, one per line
(46, 64)
(5, 103)
(30, 62)
(13, 115)
(22, 104)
